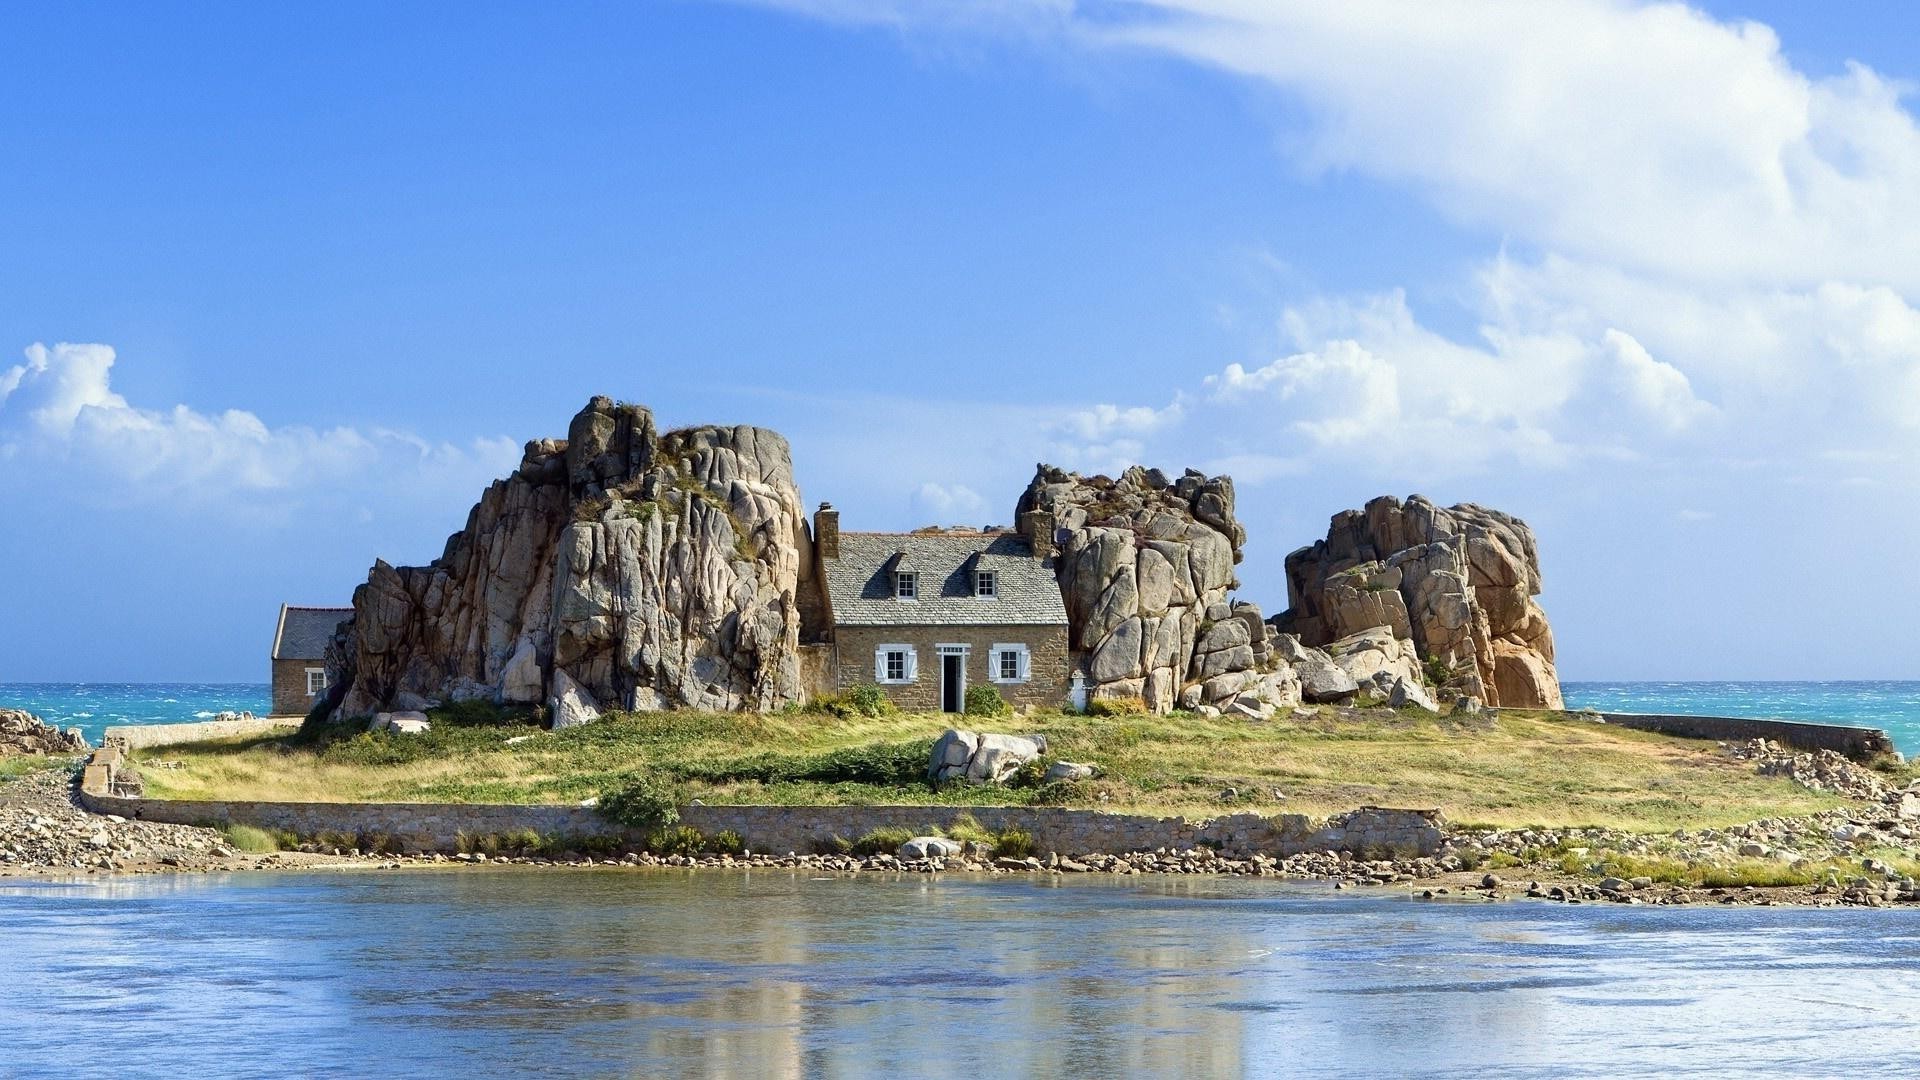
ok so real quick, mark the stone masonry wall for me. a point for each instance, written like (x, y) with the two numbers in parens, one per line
(139, 736)
(1050, 667)
(1858, 743)
(290, 686)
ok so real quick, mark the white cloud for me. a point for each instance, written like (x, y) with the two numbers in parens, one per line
(1709, 252)
(1659, 389)
(60, 404)
(949, 504)
(1648, 135)
(1110, 421)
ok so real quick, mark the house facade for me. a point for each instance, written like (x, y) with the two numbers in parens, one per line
(925, 615)
(299, 656)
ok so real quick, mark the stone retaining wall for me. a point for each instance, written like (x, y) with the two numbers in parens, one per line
(780, 829)
(140, 736)
(1858, 743)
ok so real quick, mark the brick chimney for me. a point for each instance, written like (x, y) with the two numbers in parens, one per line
(826, 531)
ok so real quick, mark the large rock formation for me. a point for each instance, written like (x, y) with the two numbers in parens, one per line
(1146, 565)
(21, 732)
(1458, 583)
(619, 567)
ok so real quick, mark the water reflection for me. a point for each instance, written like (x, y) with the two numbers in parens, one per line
(773, 974)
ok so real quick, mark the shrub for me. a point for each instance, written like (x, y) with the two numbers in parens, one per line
(677, 840)
(1013, 844)
(646, 802)
(1438, 671)
(985, 700)
(832, 845)
(880, 764)
(254, 839)
(333, 838)
(1033, 774)
(967, 830)
(1117, 706)
(727, 842)
(868, 700)
(883, 841)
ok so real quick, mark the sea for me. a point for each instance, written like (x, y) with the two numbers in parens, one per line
(1892, 705)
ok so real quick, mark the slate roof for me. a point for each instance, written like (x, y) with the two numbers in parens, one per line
(303, 632)
(860, 582)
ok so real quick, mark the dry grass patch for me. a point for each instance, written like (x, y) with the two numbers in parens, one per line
(1522, 769)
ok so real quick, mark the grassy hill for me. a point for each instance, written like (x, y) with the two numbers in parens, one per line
(1545, 769)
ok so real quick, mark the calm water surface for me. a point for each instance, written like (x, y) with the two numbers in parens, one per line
(775, 974)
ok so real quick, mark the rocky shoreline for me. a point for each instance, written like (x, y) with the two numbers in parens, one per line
(44, 833)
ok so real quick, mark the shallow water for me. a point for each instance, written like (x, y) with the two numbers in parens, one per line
(776, 974)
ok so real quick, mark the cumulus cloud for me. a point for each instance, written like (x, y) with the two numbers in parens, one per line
(949, 503)
(1108, 438)
(1700, 246)
(60, 403)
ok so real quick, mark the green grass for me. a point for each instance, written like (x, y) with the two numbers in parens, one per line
(1518, 769)
(1721, 874)
(256, 840)
(14, 766)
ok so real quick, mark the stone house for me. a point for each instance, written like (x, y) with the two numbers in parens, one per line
(299, 656)
(926, 614)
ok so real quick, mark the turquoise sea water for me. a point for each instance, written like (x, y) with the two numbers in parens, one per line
(1894, 706)
(92, 707)
(481, 973)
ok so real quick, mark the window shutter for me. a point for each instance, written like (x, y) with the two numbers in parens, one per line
(913, 664)
(879, 665)
(1026, 669)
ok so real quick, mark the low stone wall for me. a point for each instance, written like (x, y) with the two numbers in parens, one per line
(780, 829)
(1858, 743)
(140, 736)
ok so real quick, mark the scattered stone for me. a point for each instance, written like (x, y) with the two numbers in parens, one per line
(1069, 772)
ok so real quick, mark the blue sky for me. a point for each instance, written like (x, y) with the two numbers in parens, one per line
(283, 288)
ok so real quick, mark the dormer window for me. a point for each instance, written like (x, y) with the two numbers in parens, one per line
(986, 583)
(906, 585)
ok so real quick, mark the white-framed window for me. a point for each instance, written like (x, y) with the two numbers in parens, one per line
(1009, 664)
(316, 681)
(986, 583)
(895, 664)
(906, 585)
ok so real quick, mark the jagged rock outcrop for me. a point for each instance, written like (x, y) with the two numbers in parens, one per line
(1456, 583)
(616, 568)
(21, 732)
(1146, 564)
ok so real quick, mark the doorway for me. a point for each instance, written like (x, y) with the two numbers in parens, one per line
(953, 682)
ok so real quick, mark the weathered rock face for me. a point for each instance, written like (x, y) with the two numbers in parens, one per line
(1457, 583)
(21, 732)
(1146, 564)
(616, 568)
